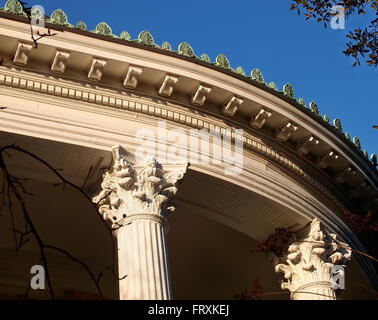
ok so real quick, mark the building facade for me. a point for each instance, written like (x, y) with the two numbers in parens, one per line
(185, 166)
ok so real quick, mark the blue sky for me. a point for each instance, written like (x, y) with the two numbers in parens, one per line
(254, 33)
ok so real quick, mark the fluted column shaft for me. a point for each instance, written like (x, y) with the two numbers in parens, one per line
(320, 290)
(143, 257)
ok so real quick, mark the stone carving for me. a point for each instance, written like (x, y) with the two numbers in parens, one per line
(347, 135)
(166, 88)
(288, 91)
(307, 144)
(22, 53)
(166, 46)
(308, 263)
(81, 25)
(222, 61)
(60, 61)
(260, 118)
(96, 69)
(146, 37)
(284, 133)
(324, 160)
(104, 29)
(132, 76)
(314, 108)
(232, 106)
(337, 125)
(257, 75)
(59, 17)
(15, 7)
(125, 36)
(185, 49)
(200, 95)
(129, 190)
(326, 119)
(205, 57)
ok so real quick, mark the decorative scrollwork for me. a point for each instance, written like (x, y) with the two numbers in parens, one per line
(166, 46)
(185, 49)
(104, 29)
(81, 25)
(205, 57)
(125, 36)
(288, 91)
(314, 108)
(257, 75)
(146, 37)
(337, 125)
(15, 7)
(222, 61)
(59, 17)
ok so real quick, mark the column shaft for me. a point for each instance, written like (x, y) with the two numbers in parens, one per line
(143, 257)
(321, 290)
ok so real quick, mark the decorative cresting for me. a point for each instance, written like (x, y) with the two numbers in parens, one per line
(186, 50)
(222, 61)
(136, 199)
(129, 190)
(59, 17)
(309, 263)
(81, 25)
(257, 75)
(146, 37)
(15, 7)
(104, 29)
(289, 91)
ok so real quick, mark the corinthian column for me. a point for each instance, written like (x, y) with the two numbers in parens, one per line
(135, 198)
(308, 265)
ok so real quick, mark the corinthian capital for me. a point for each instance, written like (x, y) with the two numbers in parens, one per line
(308, 263)
(132, 190)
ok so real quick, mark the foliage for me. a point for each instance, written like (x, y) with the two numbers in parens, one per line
(362, 42)
(276, 243)
(362, 223)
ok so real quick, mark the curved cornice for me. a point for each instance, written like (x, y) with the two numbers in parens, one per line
(252, 92)
(59, 20)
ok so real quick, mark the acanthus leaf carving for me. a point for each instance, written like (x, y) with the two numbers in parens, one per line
(129, 190)
(311, 260)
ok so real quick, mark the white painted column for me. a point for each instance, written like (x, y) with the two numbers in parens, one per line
(309, 263)
(136, 199)
(143, 257)
(320, 290)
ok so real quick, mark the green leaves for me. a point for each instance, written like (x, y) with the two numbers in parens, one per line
(363, 42)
